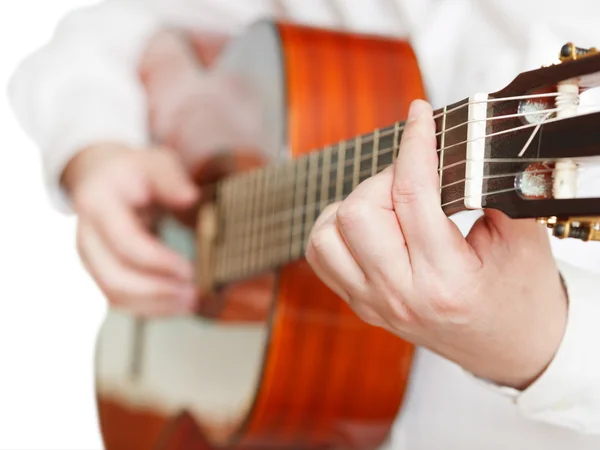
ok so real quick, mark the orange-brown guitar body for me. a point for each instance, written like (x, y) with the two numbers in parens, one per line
(324, 378)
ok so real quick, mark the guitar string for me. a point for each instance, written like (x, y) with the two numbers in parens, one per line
(293, 235)
(235, 269)
(394, 128)
(349, 178)
(385, 151)
(369, 137)
(293, 212)
(489, 161)
(391, 149)
(499, 99)
(348, 163)
(294, 231)
(285, 229)
(293, 228)
(290, 215)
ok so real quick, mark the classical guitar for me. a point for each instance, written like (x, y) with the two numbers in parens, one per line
(274, 359)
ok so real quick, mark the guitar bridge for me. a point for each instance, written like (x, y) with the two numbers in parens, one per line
(582, 228)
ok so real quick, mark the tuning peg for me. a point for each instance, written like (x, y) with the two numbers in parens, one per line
(569, 52)
(581, 228)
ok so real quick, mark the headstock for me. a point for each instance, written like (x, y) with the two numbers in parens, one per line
(540, 142)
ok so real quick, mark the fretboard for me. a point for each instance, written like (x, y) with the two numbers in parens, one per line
(267, 214)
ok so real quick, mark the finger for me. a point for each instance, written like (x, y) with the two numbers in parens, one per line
(330, 258)
(326, 215)
(170, 184)
(416, 192)
(130, 239)
(369, 225)
(128, 288)
(325, 277)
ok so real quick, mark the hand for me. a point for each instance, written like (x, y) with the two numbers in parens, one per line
(492, 303)
(114, 189)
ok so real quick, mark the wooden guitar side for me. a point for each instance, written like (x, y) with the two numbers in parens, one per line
(328, 380)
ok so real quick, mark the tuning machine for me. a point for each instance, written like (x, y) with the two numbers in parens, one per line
(570, 52)
(582, 228)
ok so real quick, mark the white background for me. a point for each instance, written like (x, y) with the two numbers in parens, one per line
(50, 310)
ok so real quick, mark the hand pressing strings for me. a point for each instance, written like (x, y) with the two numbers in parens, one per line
(491, 302)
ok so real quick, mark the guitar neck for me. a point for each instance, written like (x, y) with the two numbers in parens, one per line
(267, 214)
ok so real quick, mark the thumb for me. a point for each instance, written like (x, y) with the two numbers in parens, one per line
(510, 229)
(495, 228)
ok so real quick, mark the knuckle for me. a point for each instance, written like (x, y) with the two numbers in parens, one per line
(158, 291)
(115, 301)
(318, 242)
(404, 192)
(113, 288)
(309, 254)
(126, 167)
(449, 303)
(330, 209)
(368, 316)
(84, 200)
(400, 314)
(394, 307)
(352, 212)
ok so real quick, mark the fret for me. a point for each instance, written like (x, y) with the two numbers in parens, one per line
(325, 178)
(299, 208)
(366, 159)
(243, 208)
(222, 204)
(332, 185)
(231, 238)
(442, 148)
(396, 146)
(348, 173)
(284, 243)
(250, 222)
(339, 189)
(357, 161)
(256, 231)
(266, 197)
(275, 205)
(270, 212)
(228, 195)
(386, 145)
(244, 222)
(454, 137)
(311, 196)
(375, 153)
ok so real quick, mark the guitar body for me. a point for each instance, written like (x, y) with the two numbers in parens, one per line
(279, 361)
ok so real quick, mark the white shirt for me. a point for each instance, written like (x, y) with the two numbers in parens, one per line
(82, 87)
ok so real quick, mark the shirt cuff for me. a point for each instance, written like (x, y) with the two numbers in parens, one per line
(567, 394)
(101, 123)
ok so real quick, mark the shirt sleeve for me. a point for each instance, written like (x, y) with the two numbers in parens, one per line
(567, 394)
(82, 87)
